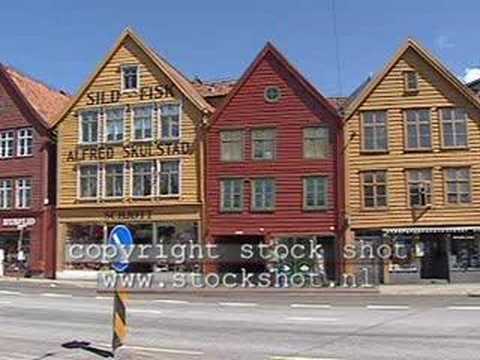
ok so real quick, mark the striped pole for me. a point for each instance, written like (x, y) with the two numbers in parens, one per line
(119, 319)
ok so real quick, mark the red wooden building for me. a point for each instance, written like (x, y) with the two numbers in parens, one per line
(27, 171)
(274, 171)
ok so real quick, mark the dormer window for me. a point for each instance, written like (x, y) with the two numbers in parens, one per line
(411, 81)
(130, 77)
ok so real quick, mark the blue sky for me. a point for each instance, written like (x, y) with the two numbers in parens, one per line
(61, 42)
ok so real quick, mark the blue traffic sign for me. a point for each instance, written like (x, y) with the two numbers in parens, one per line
(122, 238)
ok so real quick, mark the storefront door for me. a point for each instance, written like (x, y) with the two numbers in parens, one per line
(435, 260)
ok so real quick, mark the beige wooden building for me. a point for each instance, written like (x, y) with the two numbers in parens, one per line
(130, 151)
(412, 140)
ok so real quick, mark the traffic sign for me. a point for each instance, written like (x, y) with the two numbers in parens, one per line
(122, 238)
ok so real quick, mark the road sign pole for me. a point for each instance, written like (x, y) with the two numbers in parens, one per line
(120, 327)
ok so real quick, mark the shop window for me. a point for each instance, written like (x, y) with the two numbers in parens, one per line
(130, 76)
(263, 144)
(316, 142)
(25, 142)
(142, 179)
(263, 194)
(85, 234)
(465, 254)
(114, 178)
(6, 144)
(114, 124)
(418, 130)
(420, 187)
(406, 255)
(89, 126)
(6, 194)
(142, 123)
(170, 121)
(232, 147)
(458, 186)
(169, 177)
(23, 189)
(454, 128)
(315, 192)
(88, 178)
(374, 131)
(374, 188)
(231, 195)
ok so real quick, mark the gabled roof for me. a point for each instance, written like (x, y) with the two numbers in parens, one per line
(271, 49)
(178, 79)
(413, 45)
(214, 88)
(44, 102)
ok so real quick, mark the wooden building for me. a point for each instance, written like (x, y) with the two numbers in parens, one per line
(413, 163)
(27, 171)
(130, 152)
(273, 169)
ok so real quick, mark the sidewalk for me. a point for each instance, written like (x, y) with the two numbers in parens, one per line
(431, 289)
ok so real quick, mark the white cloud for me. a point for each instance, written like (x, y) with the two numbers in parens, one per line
(444, 42)
(471, 74)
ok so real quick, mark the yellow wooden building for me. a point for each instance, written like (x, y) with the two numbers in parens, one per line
(412, 155)
(130, 151)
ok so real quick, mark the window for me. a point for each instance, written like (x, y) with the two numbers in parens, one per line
(25, 142)
(418, 130)
(232, 145)
(89, 127)
(315, 192)
(375, 136)
(465, 254)
(130, 77)
(6, 193)
(420, 187)
(458, 186)
(232, 195)
(170, 121)
(114, 124)
(316, 142)
(142, 178)
(374, 189)
(454, 127)
(114, 180)
(263, 194)
(410, 81)
(6, 144)
(263, 144)
(23, 193)
(142, 123)
(272, 94)
(88, 181)
(169, 177)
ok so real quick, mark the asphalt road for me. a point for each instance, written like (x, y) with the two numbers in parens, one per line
(37, 320)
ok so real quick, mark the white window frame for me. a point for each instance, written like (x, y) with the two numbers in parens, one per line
(152, 174)
(159, 170)
(418, 122)
(160, 121)
(305, 138)
(104, 187)
(242, 145)
(22, 142)
(122, 79)
(263, 209)
(256, 137)
(21, 199)
(454, 121)
(7, 140)
(79, 182)
(132, 122)
(80, 127)
(307, 207)
(457, 181)
(6, 194)
(105, 122)
(376, 126)
(417, 185)
(222, 196)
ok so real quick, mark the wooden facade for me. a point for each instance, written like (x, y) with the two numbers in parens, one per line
(28, 224)
(437, 89)
(298, 108)
(159, 85)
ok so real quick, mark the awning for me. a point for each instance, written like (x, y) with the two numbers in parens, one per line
(427, 229)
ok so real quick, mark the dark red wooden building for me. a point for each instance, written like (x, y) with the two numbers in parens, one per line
(27, 171)
(274, 165)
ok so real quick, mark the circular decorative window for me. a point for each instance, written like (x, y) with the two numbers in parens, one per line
(272, 94)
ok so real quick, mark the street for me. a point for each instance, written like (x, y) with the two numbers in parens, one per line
(36, 321)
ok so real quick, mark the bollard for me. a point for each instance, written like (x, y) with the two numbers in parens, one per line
(119, 319)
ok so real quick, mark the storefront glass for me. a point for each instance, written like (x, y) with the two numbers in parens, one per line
(465, 254)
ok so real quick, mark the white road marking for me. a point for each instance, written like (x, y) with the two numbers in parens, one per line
(311, 306)
(5, 302)
(160, 350)
(103, 298)
(57, 295)
(238, 304)
(167, 301)
(145, 311)
(306, 318)
(467, 308)
(7, 292)
(299, 358)
(388, 307)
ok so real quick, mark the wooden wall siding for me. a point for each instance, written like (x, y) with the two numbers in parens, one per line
(435, 92)
(107, 80)
(248, 110)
